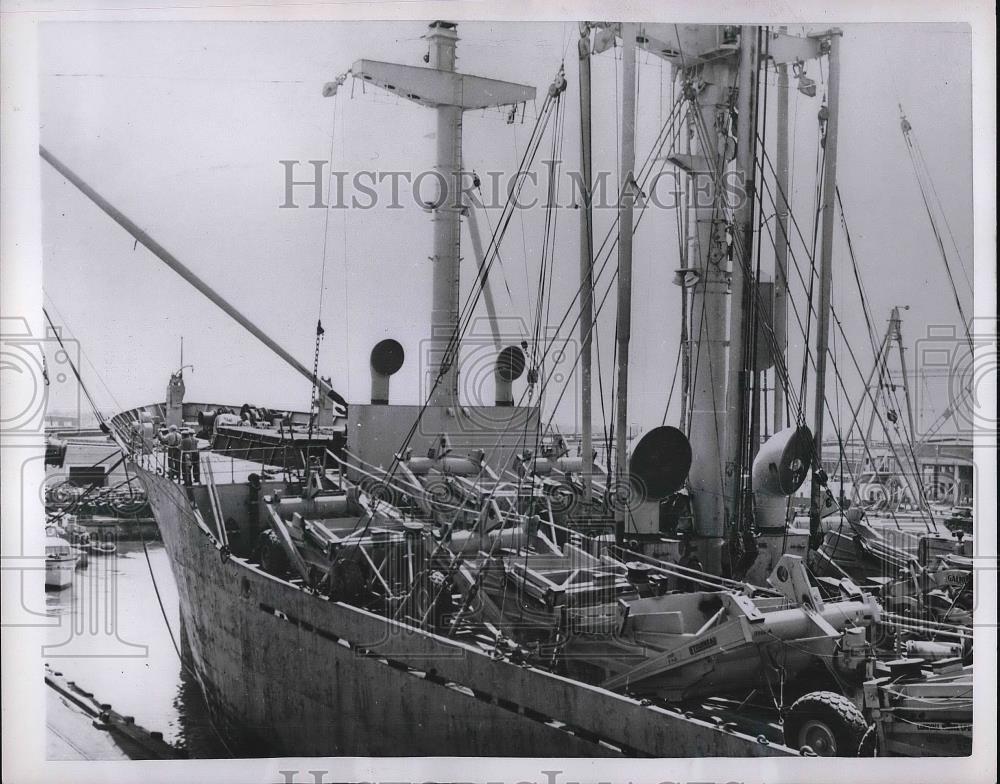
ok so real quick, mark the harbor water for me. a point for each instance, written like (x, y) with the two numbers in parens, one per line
(110, 637)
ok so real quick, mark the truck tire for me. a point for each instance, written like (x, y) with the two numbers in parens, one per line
(827, 722)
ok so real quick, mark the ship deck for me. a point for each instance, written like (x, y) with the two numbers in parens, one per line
(900, 530)
(225, 467)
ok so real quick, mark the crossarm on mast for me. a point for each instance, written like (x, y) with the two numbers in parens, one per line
(432, 87)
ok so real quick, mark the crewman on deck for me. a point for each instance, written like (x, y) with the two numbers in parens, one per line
(173, 442)
(190, 458)
(162, 435)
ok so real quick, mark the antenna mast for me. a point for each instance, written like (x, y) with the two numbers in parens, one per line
(586, 267)
(626, 199)
(825, 277)
(449, 93)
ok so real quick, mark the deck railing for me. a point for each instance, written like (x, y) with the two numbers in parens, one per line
(229, 466)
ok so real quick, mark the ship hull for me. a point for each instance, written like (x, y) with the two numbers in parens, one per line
(288, 673)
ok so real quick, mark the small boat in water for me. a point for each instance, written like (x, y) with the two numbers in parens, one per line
(60, 562)
(78, 539)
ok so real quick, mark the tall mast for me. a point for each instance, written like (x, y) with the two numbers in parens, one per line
(897, 326)
(913, 481)
(626, 198)
(684, 251)
(826, 271)
(707, 57)
(856, 409)
(780, 317)
(737, 387)
(449, 93)
(442, 40)
(586, 264)
(707, 303)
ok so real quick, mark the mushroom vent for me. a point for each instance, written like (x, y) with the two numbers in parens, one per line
(660, 462)
(386, 359)
(510, 364)
(783, 461)
(510, 367)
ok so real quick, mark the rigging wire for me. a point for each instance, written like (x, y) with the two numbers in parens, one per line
(909, 438)
(83, 352)
(548, 379)
(548, 258)
(918, 149)
(315, 394)
(915, 159)
(489, 225)
(605, 249)
(769, 334)
(754, 316)
(681, 227)
(125, 452)
(721, 214)
(503, 223)
(76, 373)
(463, 322)
(524, 237)
(817, 210)
(547, 265)
(673, 383)
(645, 174)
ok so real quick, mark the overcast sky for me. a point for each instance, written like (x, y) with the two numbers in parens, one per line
(182, 126)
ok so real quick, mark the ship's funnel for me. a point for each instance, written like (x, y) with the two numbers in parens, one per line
(779, 470)
(510, 366)
(386, 358)
(660, 462)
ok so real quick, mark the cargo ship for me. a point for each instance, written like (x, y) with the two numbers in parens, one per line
(377, 579)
